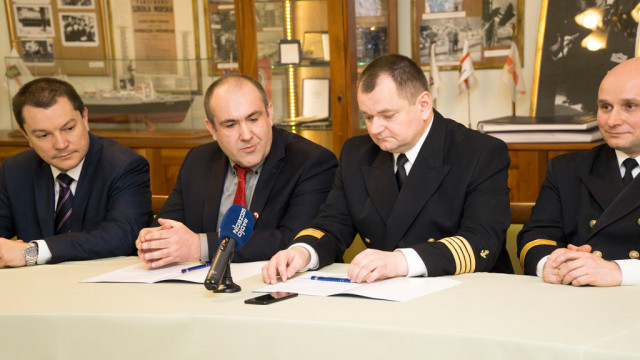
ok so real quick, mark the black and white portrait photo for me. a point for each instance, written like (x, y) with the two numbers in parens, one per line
(33, 20)
(76, 4)
(78, 29)
(37, 51)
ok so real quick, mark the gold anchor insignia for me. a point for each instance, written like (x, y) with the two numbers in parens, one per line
(484, 253)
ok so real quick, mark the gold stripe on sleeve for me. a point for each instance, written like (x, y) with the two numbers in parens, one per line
(464, 258)
(311, 232)
(533, 243)
(456, 258)
(469, 252)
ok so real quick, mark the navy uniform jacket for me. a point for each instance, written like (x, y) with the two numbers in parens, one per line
(582, 202)
(295, 180)
(453, 208)
(112, 202)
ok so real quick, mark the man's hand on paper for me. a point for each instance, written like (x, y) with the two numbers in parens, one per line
(370, 264)
(285, 263)
(168, 243)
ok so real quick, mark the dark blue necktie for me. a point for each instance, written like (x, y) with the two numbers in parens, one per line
(65, 204)
(629, 164)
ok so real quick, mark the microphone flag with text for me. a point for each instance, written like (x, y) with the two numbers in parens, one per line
(235, 228)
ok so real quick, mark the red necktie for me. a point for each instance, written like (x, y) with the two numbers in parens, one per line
(241, 197)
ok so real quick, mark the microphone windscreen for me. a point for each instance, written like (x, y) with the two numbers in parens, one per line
(237, 224)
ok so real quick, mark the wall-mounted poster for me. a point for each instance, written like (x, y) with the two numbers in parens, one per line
(46, 32)
(489, 26)
(144, 30)
(567, 74)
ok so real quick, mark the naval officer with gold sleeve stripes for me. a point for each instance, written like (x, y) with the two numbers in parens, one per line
(585, 227)
(428, 196)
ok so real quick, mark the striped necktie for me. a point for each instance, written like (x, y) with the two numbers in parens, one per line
(65, 204)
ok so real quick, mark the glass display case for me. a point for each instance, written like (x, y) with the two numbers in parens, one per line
(137, 96)
(306, 53)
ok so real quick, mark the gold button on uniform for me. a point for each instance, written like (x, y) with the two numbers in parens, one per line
(597, 253)
(638, 221)
(592, 223)
(431, 240)
(367, 240)
(633, 254)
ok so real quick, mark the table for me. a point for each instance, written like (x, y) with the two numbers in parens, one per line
(46, 313)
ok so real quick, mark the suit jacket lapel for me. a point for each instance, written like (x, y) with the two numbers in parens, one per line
(610, 193)
(270, 171)
(425, 177)
(212, 196)
(381, 183)
(43, 190)
(601, 177)
(85, 183)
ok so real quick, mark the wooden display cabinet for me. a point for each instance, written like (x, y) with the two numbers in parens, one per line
(313, 21)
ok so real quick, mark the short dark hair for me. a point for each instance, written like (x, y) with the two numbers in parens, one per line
(44, 93)
(406, 74)
(227, 78)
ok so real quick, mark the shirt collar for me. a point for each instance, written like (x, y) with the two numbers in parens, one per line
(73, 173)
(254, 169)
(412, 154)
(622, 157)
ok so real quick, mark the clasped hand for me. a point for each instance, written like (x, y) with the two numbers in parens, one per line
(578, 266)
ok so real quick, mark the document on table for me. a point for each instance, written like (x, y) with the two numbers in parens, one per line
(139, 273)
(395, 289)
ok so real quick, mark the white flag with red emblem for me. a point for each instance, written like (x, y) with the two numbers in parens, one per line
(512, 73)
(466, 78)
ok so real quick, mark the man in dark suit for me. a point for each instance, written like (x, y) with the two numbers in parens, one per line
(74, 195)
(444, 212)
(287, 179)
(585, 227)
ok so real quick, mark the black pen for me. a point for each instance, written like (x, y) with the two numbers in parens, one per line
(197, 267)
(334, 279)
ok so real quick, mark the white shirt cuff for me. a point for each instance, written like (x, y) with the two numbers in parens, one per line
(540, 266)
(630, 269)
(416, 266)
(314, 262)
(44, 254)
(204, 248)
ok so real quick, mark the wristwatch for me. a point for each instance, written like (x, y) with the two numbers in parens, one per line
(31, 253)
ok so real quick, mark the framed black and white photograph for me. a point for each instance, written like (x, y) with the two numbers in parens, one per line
(315, 98)
(290, 52)
(223, 33)
(76, 4)
(489, 27)
(33, 20)
(78, 29)
(37, 51)
(572, 58)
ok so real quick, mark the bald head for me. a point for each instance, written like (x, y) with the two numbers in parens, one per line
(619, 107)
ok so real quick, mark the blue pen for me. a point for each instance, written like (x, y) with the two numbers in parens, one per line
(334, 279)
(197, 267)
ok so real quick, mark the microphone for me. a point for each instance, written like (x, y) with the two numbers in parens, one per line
(235, 229)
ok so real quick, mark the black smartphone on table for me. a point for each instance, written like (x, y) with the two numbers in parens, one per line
(270, 298)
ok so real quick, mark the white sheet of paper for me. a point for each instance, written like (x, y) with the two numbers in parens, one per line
(139, 273)
(395, 289)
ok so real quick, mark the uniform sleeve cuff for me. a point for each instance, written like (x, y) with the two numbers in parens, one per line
(204, 248)
(540, 266)
(314, 262)
(416, 267)
(44, 254)
(630, 269)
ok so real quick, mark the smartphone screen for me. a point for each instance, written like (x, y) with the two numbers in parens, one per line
(270, 298)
